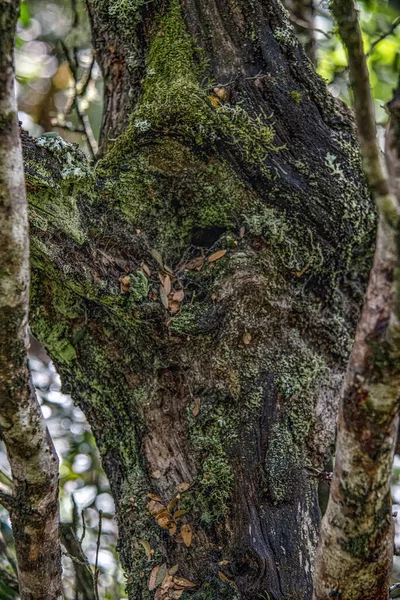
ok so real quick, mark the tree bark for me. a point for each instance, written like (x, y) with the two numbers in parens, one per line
(33, 506)
(199, 289)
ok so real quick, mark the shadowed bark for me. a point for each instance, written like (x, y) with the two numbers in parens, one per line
(33, 506)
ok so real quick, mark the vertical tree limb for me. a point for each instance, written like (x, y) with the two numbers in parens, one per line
(356, 543)
(34, 464)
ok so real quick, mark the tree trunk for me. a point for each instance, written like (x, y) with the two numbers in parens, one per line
(199, 289)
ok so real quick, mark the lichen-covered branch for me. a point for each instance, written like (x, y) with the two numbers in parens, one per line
(34, 464)
(354, 558)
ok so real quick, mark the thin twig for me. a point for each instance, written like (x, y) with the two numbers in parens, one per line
(96, 569)
(83, 527)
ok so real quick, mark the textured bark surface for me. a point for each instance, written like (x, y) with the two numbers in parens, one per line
(33, 506)
(355, 553)
(222, 371)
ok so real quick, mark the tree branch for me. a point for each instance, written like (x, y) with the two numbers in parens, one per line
(356, 542)
(34, 463)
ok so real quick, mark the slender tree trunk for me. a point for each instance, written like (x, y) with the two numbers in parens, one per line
(199, 289)
(33, 506)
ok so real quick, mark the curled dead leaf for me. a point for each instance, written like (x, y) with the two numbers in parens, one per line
(125, 284)
(173, 503)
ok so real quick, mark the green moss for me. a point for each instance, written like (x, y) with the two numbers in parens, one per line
(55, 340)
(295, 96)
(211, 433)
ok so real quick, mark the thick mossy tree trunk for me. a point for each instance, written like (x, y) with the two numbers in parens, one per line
(198, 289)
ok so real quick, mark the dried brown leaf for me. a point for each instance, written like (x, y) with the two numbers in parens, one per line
(196, 407)
(178, 514)
(157, 256)
(146, 270)
(181, 582)
(167, 284)
(173, 570)
(186, 533)
(125, 284)
(175, 594)
(178, 295)
(174, 307)
(164, 297)
(154, 497)
(246, 338)
(156, 474)
(173, 503)
(217, 255)
(161, 574)
(172, 529)
(153, 577)
(182, 487)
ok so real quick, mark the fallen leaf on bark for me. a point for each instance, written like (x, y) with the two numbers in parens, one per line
(246, 338)
(194, 264)
(153, 577)
(146, 270)
(178, 295)
(161, 574)
(164, 296)
(217, 255)
(174, 307)
(173, 570)
(147, 548)
(196, 407)
(157, 256)
(154, 497)
(186, 533)
(125, 284)
(182, 487)
(167, 284)
(179, 513)
(181, 582)
(173, 503)
(156, 474)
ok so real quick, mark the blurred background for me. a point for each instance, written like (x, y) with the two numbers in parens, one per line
(59, 88)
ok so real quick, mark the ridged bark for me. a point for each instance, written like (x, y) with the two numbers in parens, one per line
(199, 289)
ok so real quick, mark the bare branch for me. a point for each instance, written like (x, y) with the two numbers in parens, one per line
(34, 463)
(356, 544)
